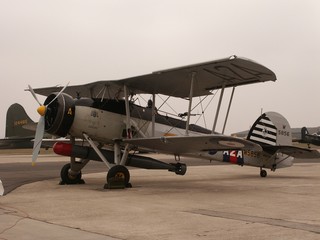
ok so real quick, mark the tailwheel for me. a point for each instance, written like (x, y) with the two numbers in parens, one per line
(68, 178)
(118, 177)
(263, 173)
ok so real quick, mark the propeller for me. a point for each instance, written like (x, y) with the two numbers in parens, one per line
(42, 109)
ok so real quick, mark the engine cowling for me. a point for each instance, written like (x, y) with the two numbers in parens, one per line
(59, 114)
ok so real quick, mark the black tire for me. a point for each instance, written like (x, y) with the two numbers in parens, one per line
(67, 178)
(181, 169)
(263, 173)
(118, 172)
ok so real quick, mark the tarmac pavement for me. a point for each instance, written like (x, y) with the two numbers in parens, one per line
(209, 202)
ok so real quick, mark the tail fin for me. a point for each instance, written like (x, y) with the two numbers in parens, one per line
(304, 133)
(18, 123)
(271, 129)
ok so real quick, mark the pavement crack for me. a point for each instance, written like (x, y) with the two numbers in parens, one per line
(14, 212)
(263, 220)
(21, 216)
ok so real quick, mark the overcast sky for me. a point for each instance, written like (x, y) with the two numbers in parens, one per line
(45, 43)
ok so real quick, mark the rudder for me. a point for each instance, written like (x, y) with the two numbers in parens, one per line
(271, 129)
(18, 123)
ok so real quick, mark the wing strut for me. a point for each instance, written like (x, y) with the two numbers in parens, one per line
(229, 106)
(153, 112)
(128, 124)
(218, 109)
(190, 102)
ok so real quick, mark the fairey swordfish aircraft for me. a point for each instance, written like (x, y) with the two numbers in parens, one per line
(114, 128)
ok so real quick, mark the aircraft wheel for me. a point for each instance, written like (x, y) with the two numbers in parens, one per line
(263, 173)
(67, 178)
(180, 168)
(118, 173)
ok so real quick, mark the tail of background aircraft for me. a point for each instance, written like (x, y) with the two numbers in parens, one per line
(18, 123)
(304, 133)
(308, 138)
(271, 129)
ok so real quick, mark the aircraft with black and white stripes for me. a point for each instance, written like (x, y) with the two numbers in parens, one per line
(114, 128)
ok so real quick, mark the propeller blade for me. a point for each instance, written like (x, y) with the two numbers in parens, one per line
(61, 91)
(38, 140)
(34, 94)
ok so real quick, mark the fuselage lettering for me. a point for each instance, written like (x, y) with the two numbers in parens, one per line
(233, 156)
(283, 133)
(250, 153)
(20, 122)
(69, 112)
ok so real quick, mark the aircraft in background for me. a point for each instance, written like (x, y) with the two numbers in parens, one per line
(308, 138)
(106, 116)
(19, 125)
(20, 131)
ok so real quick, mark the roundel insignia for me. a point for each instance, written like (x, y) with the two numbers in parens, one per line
(231, 144)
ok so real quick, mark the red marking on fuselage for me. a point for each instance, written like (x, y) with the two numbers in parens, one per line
(233, 156)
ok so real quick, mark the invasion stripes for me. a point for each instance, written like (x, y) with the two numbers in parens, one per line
(263, 131)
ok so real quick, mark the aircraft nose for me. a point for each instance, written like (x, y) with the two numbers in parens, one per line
(42, 110)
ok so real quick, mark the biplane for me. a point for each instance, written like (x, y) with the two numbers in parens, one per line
(115, 129)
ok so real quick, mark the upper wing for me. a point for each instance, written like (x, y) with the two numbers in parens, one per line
(228, 72)
(103, 89)
(293, 151)
(191, 144)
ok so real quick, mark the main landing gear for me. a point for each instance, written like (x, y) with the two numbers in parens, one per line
(116, 161)
(70, 177)
(118, 177)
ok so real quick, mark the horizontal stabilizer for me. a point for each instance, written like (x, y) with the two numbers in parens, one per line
(293, 151)
(193, 144)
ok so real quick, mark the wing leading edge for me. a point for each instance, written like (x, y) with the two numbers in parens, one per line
(227, 72)
(192, 144)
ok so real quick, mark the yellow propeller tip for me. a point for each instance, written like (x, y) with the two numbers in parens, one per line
(42, 110)
(33, 164)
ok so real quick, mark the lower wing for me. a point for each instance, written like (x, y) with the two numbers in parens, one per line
(191, 144)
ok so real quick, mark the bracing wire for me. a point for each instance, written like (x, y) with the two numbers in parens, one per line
(205, 109)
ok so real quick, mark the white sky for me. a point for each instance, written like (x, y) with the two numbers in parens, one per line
(45, 43)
